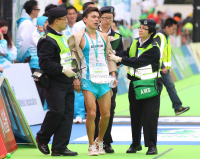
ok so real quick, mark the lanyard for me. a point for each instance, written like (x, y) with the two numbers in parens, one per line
(95, 48)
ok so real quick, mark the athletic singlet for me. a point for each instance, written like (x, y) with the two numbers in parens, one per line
(89, 59)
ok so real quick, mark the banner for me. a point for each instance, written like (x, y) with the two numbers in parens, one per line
(190, 59)
(119, 11)
(176, 71)
(196, 52)
(182, 62)
(24, 88)
(7, 139)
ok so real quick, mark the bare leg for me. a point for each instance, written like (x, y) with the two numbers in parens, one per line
(91, 114)
(104, 107)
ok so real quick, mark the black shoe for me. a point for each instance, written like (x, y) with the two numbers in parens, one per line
(43, 147)
(181, 110)
(108, 148)
(134, 149)
(65, 152)
(152, 150)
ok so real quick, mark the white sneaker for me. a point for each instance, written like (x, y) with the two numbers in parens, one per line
(92, 151)
(99, 147)
(78, 120)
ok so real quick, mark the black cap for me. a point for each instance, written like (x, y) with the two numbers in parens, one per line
(148, 22)
(57, 12)
(107, 9)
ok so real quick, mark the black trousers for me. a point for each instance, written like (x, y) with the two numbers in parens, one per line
(107, 137)
(40, 90)
(58, 120)
(144, 113)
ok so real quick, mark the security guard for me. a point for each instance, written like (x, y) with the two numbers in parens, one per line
(163, 40)
(143, 59)
(107, 16)
(55, 61)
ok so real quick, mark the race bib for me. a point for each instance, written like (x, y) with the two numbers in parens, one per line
(99, 77)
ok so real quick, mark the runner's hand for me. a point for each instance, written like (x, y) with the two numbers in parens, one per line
(165, 70)
(77, 86)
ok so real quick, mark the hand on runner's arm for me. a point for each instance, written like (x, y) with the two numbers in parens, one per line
(114, 58)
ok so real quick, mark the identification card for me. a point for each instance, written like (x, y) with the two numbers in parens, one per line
(98, 67)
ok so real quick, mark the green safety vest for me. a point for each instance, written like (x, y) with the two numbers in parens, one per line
(65, 55)
(116, 36)
(165, 49)
(145, 72)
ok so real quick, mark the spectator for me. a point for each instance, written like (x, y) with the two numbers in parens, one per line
(80, 25)
(65, 4)
(71, 18)
(8, 51)
(48, 7)
(25, 29)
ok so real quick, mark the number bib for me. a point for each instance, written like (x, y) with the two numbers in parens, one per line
(99, 74)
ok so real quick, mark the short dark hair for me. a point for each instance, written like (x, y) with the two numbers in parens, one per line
(89, 10)
(71, 7)
(30, 5)
(49, 7)
(51, 20)
(85, 5)
(152, 30)
(64, 1)
(169, 22)
(159, 12)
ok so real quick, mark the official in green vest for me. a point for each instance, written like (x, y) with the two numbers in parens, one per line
(143, 59)
(56, 62)
(163, 40)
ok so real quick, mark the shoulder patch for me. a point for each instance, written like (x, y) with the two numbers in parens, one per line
(44, 36)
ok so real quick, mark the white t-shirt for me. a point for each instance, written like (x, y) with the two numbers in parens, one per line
(78, 26)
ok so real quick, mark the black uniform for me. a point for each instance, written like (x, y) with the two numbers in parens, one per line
(60, 95)
(107, 137)
(143, 112)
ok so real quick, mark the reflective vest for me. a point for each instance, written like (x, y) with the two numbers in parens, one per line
(116, 36)
(165, 49)
(65, 55)
(145, 72)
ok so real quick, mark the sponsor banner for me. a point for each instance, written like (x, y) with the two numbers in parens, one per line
(196, 52)
(20, 127)
(25, 91)
(167, 135)
(175, 69)
(190, 59)
(181, 62)
(7, 139)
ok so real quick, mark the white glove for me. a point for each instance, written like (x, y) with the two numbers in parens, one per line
(112, 57)
(68, 72)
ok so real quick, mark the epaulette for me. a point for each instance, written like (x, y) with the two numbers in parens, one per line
(44, 36)
(154, 43)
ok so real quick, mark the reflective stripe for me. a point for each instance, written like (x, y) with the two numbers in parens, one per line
(65, 55)
(144, 76)
(167, 64)
(63, 61)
